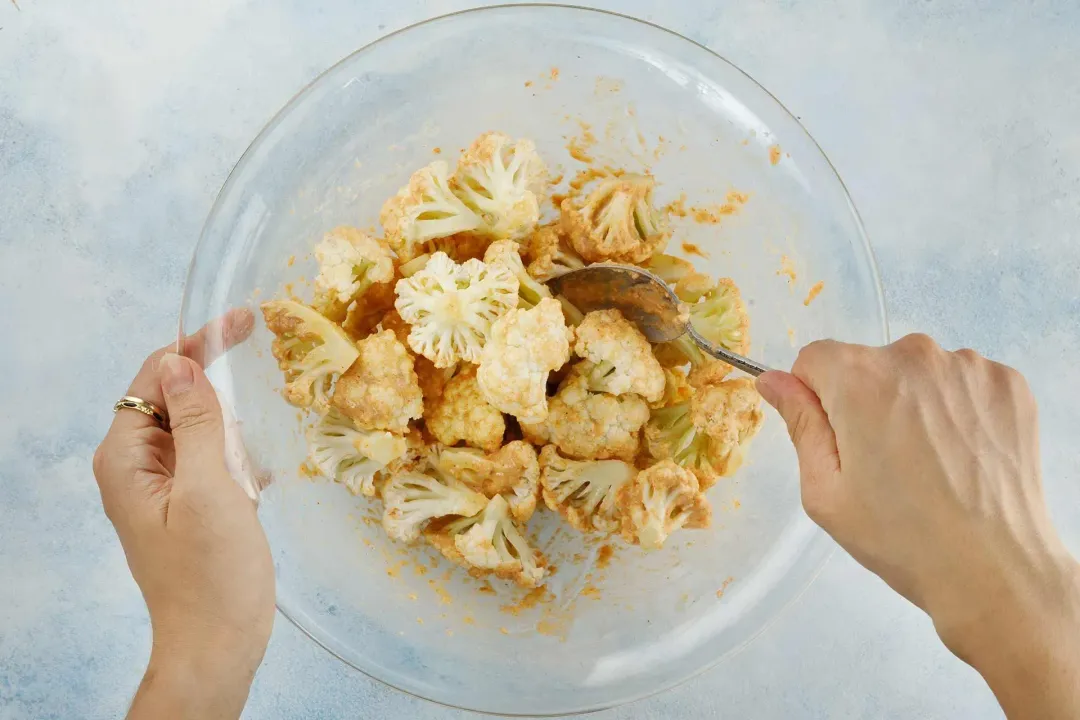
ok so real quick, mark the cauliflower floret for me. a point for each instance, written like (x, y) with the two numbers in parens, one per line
(677, 389)
(591, 426)
(412, 499)
(709, 434)
(524, 346)
(425, 209)
(513, 471)
(548, 254)
(584, 492)
(349, 263)
(620, 359)
(720, 317)
(462, 413)
(505, 253)
(501, 181)
(688, 284)
(380, 390)
(351, 456)
(452, 307)
(309, 349)
(658, 502)
(490, 542)
(618, 222)
(368, 311)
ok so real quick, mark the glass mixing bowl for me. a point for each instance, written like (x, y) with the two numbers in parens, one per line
(617, 624)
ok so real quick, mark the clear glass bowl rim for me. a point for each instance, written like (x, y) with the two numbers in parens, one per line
(820, 538)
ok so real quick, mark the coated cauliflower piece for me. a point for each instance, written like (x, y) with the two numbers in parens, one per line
(505, 253)
(720, 317)
(689, 285)
(380, 390)
(350, 262)
(660, 501)
(677, 389)
(584, 492)
(617, 222)
(490, 542)
(452, 307)
(368, 311)
(412, 499)
(425, 209)
(524, 346)
(549, 254)
(462, 414)
(619, 358)
(351, 456)
(708, 435)
(591, 426)
(309, 349)
(513, 471)
(501, 180)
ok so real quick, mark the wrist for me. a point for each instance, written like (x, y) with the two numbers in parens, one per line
(1023, 636)
(183, 683)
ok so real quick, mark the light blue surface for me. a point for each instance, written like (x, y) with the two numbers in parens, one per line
(955, 124)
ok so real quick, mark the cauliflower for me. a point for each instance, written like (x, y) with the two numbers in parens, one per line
(501, 181)
(591, 426)
(707, 435)
(369, 310)
(461, 247)
(584, 491)
(490, 542)
(549, 257)
(617, 222)
(412, 499)
(688, 284)
(524, 346)
(452, 307)
(658, 502)
(513, 471)
(309, 348)
(505, 253)
(349, 263)
(423, 210)
(677, 389)
(351, 456)
(462, 413)
(380, 391)
(619, 358)
(720, 317)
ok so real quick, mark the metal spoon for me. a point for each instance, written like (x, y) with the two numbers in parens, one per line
(645, 300)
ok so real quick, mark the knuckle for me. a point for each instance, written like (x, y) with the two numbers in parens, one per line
(918, 344)
(968, 356)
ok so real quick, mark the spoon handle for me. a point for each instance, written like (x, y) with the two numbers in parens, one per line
(748, 366)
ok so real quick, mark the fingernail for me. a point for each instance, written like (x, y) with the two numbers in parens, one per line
(766, 387)
(176, 374)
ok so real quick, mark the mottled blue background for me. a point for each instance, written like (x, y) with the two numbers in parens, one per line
(955, 123)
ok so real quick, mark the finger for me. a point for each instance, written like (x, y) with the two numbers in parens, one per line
(811, 433)
(195, 418)
(203, 346)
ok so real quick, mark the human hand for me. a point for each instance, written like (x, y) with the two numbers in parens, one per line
(191, 535)
(924, 465)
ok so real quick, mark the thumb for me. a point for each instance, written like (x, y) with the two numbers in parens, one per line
(194, 415)
(809, 427)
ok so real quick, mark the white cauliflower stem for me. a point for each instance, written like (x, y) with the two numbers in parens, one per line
(452, 307)
(584, 491)
(719, 315)
(349, 263)
(412, 499)
(513, 472)
(309, 348)
(491, 542)
(351, 456)
(501, 181)
(505, 253)
(620, 359)
(660, 501)
(425, 209)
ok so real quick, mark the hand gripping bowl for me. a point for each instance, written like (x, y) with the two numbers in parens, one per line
(615, 626)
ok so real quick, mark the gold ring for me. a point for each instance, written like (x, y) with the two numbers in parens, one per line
(130, 402)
